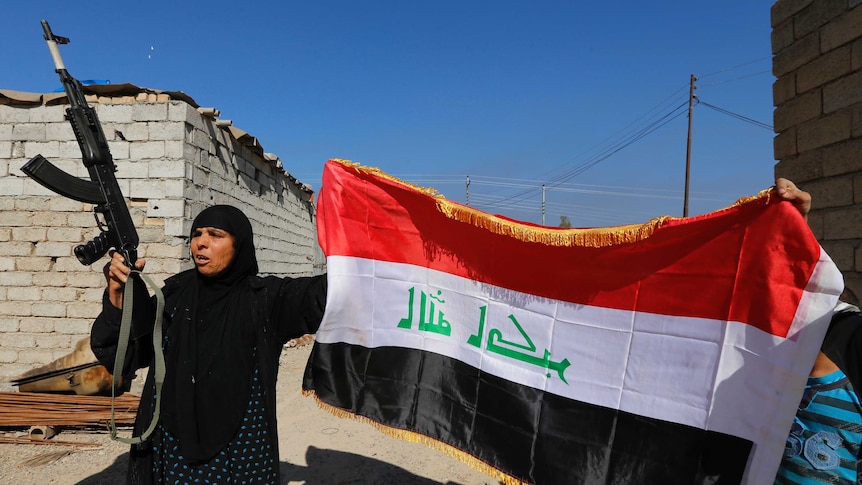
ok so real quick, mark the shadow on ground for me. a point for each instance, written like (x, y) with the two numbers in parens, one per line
(325, 467)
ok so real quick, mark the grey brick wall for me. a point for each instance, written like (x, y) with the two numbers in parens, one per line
(172, 162)
(817, 60)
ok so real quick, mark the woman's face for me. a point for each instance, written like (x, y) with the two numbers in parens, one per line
(212, 250)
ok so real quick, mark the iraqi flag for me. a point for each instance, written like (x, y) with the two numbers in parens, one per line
(673, 352)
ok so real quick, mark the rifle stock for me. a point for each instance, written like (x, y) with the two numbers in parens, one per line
(118, 230)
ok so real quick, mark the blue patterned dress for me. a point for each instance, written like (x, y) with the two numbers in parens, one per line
(248, 458)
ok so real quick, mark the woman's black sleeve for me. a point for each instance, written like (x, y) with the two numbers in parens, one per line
(843, 345)
(105, 333)
(299, 306)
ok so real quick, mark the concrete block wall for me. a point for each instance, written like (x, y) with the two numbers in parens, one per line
(172, 162)
(817, 60)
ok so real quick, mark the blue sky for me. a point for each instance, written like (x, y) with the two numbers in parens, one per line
(588, 98)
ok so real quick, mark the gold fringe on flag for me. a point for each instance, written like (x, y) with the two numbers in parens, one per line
(549, 236)
(413, 437)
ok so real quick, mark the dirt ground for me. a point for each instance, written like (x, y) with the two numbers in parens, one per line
(316, 449)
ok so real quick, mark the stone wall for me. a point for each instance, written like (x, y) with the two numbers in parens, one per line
(817, 60)
(173, 160)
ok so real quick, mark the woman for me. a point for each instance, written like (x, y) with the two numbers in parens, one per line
(224, 329)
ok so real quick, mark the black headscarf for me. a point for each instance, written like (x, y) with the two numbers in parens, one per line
(210, 344)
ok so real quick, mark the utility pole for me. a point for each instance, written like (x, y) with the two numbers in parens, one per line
(691, 98)
(467, 195)
(543, 204)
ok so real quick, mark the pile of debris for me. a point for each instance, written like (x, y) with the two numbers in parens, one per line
(72, 392)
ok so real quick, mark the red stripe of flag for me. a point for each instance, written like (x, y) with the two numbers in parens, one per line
(385, 220)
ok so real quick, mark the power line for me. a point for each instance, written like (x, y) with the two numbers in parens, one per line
(731, 68)
(769, 71)
(736, 115)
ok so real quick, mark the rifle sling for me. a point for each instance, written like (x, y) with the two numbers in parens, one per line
(122, 346)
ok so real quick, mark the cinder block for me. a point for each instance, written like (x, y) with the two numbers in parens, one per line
(856, 55)
(48, 114)
(842, 93)
(133, 132)
(29, 132)
(92, 279)
(182, 111)
(70, 149)
(119, 149)
(5, 152)
(48, 309)
(842, 30)
(146, 189)
(14, 114)
(55, 249)
(13, 186)
(177, 227)
(29, 233)
(828, 67)
(174, 188)
(147, 150)
(824, 131)
(9, 324)
(61, 294)
(114, 113)
(35, 356)
(175, 149)
(60, 132)
(149, 112)
(842, 158)
(16, 248)
(843, 224)
(83, 309)
(31, 188)
(64, 204)
(782, 35)
(71, 264)
(15, 279)
(784, 144)
(167, 250)
(165, 208)
(816, 15)
(802, 108)
(249, 183)
(857, 255)
(50, 279)
(796, 55)
(54, 341)
(167, 131)
(36, 325)
(50, 219)
(132, 169)
(16, 308)
(784, 9)
(65, 234)
(76, 327)
(167, 169)
(84, 219)
(9, 356)
(33, 264)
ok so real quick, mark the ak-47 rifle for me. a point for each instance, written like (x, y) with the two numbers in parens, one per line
(118, 231)
(102, 190)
